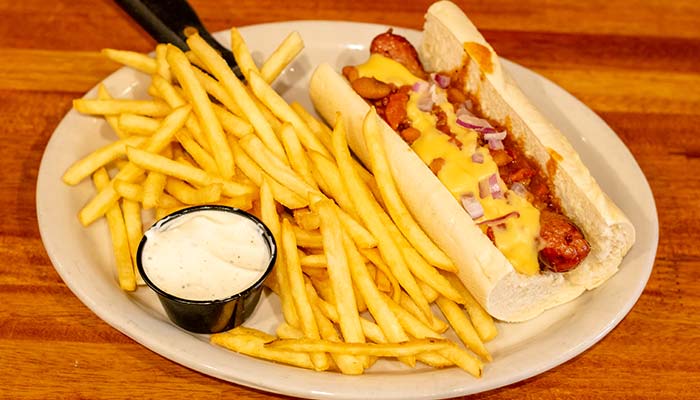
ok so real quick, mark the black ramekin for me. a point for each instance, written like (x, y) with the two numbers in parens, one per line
(211, 316)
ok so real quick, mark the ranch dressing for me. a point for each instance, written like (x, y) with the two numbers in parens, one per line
(205, 255)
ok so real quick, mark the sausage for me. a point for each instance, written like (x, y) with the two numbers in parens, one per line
(564, 244)
(400, 50)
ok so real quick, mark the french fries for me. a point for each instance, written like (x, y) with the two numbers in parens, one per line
(348, 249)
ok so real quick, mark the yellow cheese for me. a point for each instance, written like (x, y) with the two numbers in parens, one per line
(386, 70)
(517, 237)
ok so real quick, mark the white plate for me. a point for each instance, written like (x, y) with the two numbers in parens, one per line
(82, 256)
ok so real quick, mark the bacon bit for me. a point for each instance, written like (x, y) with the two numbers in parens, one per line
(410, 135)
(441, 124)
(436, 165)
(501, 157)
(371, 88)
(456, 142)
(396, 109)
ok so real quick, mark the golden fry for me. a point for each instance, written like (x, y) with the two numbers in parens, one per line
(120, 240)
(201, 105)
(242, 54)
(99, 158)
(281, 57)
(132, 59)
(151, 108)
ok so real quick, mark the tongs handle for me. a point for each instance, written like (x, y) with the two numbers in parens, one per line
(167, 20)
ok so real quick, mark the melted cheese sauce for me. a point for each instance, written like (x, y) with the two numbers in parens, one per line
(205, 255)
(517, 238)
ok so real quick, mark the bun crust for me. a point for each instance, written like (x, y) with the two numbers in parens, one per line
(450, 40)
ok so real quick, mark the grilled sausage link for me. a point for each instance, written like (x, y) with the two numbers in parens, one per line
(564, 244)
(399, 49)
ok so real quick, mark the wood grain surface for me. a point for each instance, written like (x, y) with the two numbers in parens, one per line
(635, 62)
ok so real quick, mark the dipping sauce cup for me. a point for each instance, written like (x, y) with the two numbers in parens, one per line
(207, 265)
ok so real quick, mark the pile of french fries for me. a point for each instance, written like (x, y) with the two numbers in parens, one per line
(355, 274)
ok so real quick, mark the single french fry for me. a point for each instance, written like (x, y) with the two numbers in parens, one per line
(112, 120)
(242, 54)
(339, 273)
(254, 346)
(281, 57)
(296, 154)
(134, 231)
(269, 217)
(99, 158)
(151, 108)
(201, 105)
(405, 349)
(99, 204)
(301, 299)
(370, 215)
(197, 176)
(392, 200)
(138, 124)
(218, 67)
(281, 193)
(162, 67)
(265, 93)
(482, 321)
(132, 59)
(153, 188)
(313, 261)
(120, 240)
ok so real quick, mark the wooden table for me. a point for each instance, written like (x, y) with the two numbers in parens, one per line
(636, 63)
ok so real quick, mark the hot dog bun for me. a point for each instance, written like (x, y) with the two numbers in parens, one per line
(449, 40)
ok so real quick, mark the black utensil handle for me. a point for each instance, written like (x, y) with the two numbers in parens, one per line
(167, 20)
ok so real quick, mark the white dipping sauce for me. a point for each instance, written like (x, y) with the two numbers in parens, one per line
(205, 255)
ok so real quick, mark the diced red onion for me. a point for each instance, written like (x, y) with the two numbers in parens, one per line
(437, 97)
(472, 122)
(496, 145)
(442, 80)
(494, 187)
(478, 158)
(519, 189)
(499, 220)
(420, 86)
(495, 135)
(472, 206)
(425, 102)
